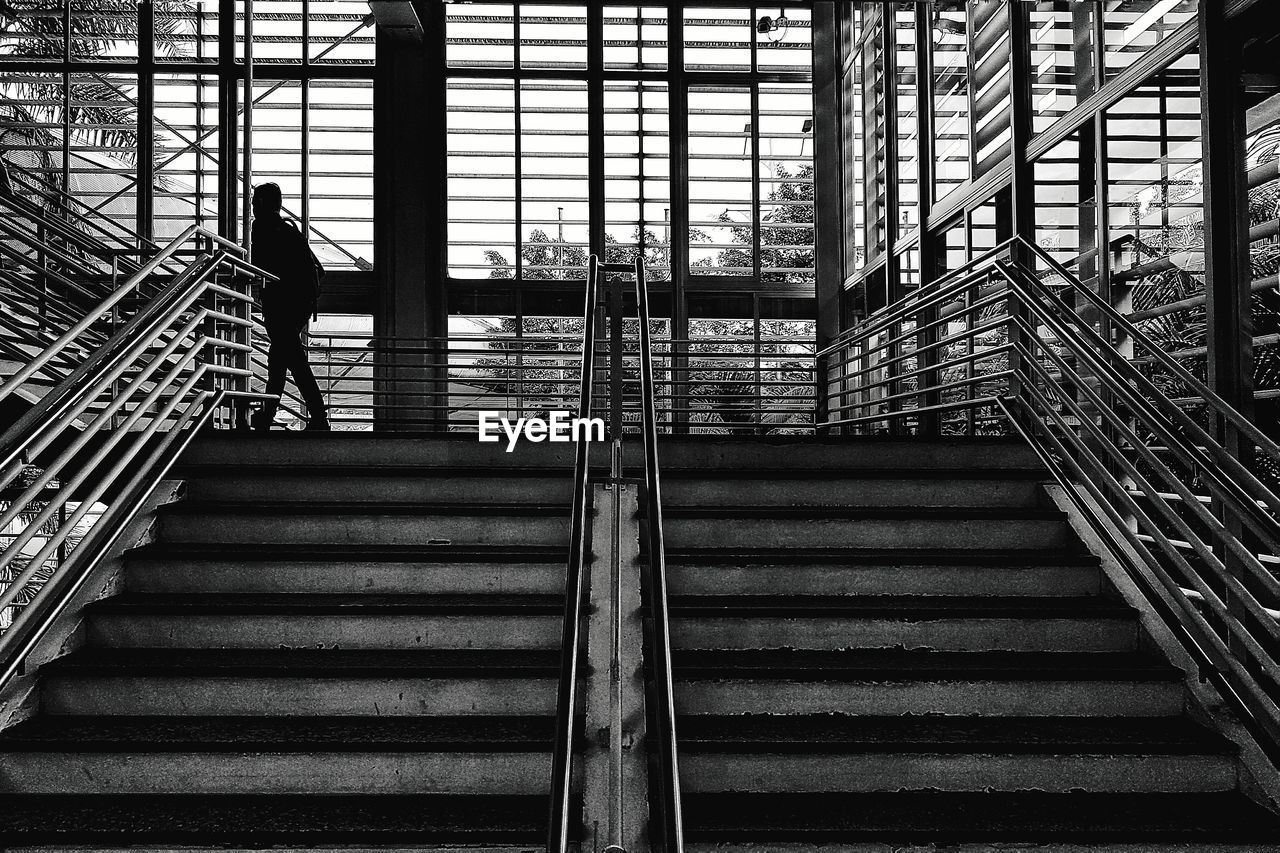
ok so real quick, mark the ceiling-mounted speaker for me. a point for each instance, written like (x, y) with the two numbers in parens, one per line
(398, 19)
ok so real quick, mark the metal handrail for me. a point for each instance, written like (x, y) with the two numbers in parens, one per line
(91, 439)
(571, 634)
(91, 217)
(37, 617)
(672, 823)
(114, 299)
(1185, 516)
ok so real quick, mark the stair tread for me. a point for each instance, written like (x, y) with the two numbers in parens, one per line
(48, 733)
(276, 508)
(1038, 557)
(958, 472)
(269, 819)
(991, 817)
(334, 663)
(827, 733)
(192, 470)
(900, 607)
(347, 553)
(913, 513)
(309, 603)
(883, 665)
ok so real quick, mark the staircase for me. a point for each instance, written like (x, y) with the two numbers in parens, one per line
(353, 640)
(332, 639)
(903, 642)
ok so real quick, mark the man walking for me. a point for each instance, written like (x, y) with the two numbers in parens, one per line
(281, 250)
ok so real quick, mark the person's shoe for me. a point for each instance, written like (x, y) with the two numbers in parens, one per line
(319, 423)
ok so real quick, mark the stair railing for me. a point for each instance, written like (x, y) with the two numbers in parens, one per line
(571, 636)
(83, 461)
(1179, 485)
(659, 646)
(59, 247)
(670, 820)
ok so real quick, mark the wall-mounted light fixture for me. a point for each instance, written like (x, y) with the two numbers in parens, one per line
(774, 29)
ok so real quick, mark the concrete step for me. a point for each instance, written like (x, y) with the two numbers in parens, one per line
(720, 453)
(677, 452)
(347, 569)
(364, 524)
(1079, 820)
(866, 488)
(284, 755)
(759, 753)
(386, 484)
(896, 527)
(335, 621)
(906, 622)
(301, 682)
(890, 682)
(357, 450)
(258, 821)
(855, 571)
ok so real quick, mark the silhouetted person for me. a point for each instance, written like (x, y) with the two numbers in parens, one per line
(281, 250)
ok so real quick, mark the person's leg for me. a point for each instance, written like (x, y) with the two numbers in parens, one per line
(277, 369)
(300, 367)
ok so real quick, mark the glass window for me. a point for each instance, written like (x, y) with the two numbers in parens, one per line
(1132, 27)
(479, 35)
(721, 206)
(851, 166)
(635, 37)
(277, 30)
(637, 175)
(1262, 153)
(786, 183)
(1062, 59)
(340, 181)
(1155, 206)
(873, 106)
(187, 32)
(554, 215)
(718, 39)
(950, 97)
(481, 130)
(789, 41)
(1066, 206)
(186, 134)
(552, 36)
(338, 32)
(907, 124)
(992, 101)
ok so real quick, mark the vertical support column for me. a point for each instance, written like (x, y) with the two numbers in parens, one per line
(595, 129)
(827, 214)
(1226, 227)
(1022, 188)
(1228, 327)
(228, 110)
(246, 189)
(144, 213)
(409, 196)
(930, 266)
(678, 152)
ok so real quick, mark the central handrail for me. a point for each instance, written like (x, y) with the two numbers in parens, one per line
(571, 636)
(672, 823)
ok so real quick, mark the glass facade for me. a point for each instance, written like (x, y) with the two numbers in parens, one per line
(84, 84)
